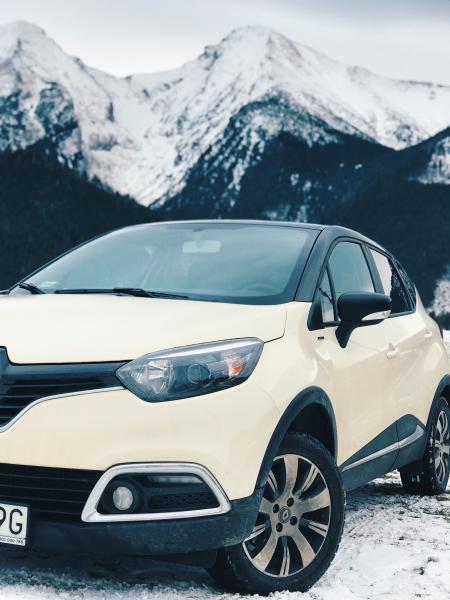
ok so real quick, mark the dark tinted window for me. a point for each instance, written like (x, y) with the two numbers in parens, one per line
(228, 262)
(391, 283)
(349, 269)
(407, 281)
(325, 296)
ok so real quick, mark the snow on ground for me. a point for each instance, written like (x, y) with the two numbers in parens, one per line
(395, 547)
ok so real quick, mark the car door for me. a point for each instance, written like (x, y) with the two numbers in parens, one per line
(361, 374)
(411, 343)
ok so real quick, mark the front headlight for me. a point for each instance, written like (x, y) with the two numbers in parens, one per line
(192, 370)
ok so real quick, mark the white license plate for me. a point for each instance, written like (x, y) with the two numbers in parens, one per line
(13, 524)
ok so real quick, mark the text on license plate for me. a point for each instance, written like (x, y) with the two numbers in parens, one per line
(13, 524)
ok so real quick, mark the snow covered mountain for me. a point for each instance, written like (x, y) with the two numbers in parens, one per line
(148, 136)
(256, 127)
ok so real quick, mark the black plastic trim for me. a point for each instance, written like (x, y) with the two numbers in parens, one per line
(149, 538)
(410, 458)
(34, 370)
(406, 426)
(443, 384)
(312, 395)
(21, 385)
(389, 438)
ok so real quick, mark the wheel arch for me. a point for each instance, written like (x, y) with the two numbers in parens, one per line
(309, 412)
(443, 391)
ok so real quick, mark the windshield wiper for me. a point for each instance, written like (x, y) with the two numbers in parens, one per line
(129, 291)
(148, 293)
(83, 291)
(30, 287)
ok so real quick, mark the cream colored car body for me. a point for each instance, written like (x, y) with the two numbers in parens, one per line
(227, 432)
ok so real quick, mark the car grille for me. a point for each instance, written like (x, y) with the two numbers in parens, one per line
(52, 494)
(181, 501)
(21, 385)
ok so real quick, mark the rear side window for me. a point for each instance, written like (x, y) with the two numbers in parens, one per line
(407, 281)
(392, 284)
(349, 269)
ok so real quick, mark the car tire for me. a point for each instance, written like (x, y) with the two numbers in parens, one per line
(430, 475)
(289, 548)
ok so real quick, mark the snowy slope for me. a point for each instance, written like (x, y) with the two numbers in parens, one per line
(438, 168)
(141, 135)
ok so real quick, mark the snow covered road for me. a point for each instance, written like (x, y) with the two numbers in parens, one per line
(394, 547)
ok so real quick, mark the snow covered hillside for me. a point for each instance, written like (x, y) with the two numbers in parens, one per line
(438, 168)
(141, 135)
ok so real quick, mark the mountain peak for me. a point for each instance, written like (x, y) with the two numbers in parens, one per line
(23, 28)
(256, 40)
(251, 31)
(249, 59)
(22, 34)
(245, 42)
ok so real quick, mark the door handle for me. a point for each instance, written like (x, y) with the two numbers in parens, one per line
(428, 335)
(393, 352)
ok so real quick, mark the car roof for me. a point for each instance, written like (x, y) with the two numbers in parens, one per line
(332, 231)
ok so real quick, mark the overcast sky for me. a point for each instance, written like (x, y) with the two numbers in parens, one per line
(402, 38)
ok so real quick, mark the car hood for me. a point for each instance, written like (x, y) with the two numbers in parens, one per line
(97, 327)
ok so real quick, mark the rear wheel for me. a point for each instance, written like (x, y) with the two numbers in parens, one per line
(430, 475)
(299, 524)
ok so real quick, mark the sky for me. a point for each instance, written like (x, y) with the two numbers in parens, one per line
(408, 39)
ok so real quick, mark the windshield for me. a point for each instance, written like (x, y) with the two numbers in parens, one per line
(226, 262)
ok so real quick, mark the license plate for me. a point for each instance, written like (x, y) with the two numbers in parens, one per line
(13, 524)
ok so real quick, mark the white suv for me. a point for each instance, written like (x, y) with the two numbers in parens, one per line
(207, 391)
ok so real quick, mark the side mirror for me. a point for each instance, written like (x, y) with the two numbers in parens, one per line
(359, 309)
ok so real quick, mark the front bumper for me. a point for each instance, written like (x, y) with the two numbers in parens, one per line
(226, 432)
(149, 538)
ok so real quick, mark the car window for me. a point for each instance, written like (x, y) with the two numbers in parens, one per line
(325, 296)
(408, 283)
(392, 285)
(349, 269)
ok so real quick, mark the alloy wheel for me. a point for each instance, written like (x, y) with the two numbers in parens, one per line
(441, 447)
(293, 519)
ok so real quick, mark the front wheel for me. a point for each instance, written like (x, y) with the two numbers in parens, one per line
(298, 528)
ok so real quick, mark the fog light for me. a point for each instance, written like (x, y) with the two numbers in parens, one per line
(123, 498)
